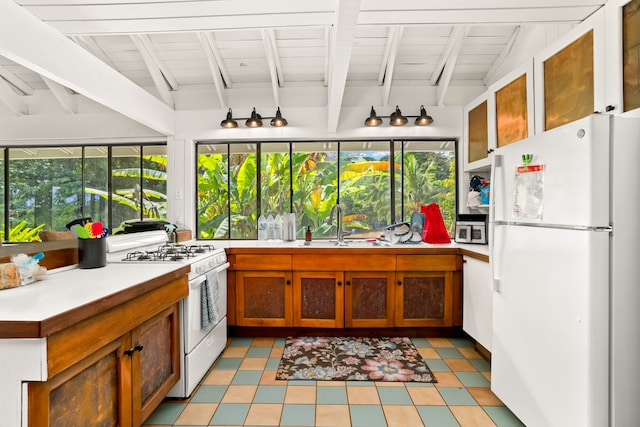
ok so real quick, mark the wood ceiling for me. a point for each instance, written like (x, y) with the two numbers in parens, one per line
(167, 46)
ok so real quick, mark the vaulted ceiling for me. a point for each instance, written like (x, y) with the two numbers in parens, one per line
(168, 46)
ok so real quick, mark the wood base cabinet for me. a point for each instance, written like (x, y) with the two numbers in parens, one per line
(264, 298)
(104, 372)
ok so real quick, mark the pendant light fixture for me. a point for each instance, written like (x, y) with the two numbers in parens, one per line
(278, 120)
(254, 121)
(398, 119)
(229, 122)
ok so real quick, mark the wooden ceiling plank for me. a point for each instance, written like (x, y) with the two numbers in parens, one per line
(155, 72)
(270, 55)
(172, 24)
(207, 42)
(388, 79)
(445, 80)
(16, 81)
(12, 100)
(61, 94)
(26, 40)
(342, 44)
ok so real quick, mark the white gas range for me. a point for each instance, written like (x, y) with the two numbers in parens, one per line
(203, 313)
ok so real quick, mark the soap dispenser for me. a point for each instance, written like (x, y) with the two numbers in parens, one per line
(307, 234)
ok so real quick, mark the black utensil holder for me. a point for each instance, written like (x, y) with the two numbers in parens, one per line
(92, 253)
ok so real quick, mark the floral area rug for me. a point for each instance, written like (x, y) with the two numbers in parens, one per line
(352, 359)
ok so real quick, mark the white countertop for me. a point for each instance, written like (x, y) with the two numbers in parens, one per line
(64, 289)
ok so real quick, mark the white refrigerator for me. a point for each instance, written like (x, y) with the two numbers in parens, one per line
(565, 258)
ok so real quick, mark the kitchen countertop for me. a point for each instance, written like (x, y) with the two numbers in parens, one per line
(70, 293)
(477, 251)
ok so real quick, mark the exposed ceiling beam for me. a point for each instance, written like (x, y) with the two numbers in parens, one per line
(12, 100)
(156, 74)
(391, 63)
(61, 94)
(445, 79)
(271, 55)
(446, 54)
(90, 44)
(26, 40)
(16, 81)
(166, 73)
(206, 40)
(385, 55)
(503, 55)
(342, 44)
(213, 45)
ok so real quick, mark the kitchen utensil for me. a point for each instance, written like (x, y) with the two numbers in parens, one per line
(81, 221)
(96, 229)
(89, 227)
(79, 231)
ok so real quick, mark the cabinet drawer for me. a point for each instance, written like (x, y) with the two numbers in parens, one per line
(262, 262)
(429, 263)
(333, 262)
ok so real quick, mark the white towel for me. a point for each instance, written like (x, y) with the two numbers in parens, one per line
(209, 300)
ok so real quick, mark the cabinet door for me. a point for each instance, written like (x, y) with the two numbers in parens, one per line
(155, 357)
(369, 299)
(318, 299)
(477, 314)
(90, 393)
(264, 298)
(424, 298)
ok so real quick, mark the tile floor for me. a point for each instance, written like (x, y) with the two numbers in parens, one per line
(241, 390)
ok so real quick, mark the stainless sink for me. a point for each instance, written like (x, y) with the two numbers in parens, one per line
(348, 243)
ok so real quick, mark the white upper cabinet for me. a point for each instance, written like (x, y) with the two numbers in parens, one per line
(570, 75)
(622, 57)
(479, 133)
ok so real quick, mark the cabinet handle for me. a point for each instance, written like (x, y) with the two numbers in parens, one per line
(288, 282)
(339, 283)
(139, 347)
(348, 283)
(399, 283)
(129, 351)
(490, 150)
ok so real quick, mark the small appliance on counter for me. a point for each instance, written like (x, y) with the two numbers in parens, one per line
(471, 228)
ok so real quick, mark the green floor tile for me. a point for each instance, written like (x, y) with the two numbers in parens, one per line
(259, 352)
(247, 377)
(272, 364)
(472, 379)
(502, 416)
(166, 413)
(270, 394)
(331, 395)
(462, 342)
(209, 394)
(229, 414)
(420, 342)
(481, 365)
(279, 342)
(437, 365)
(457, 396)
(438, 416)
(367, 416)
(241, 342)
(228, 363)
(450, 353)
(298, 415)
(394, 396)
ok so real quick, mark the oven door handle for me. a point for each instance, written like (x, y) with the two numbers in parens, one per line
(220, 268)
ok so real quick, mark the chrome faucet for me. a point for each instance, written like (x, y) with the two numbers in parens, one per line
(340, 232)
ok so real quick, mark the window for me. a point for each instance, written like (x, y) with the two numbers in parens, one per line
(237, 182)
(47, 187)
